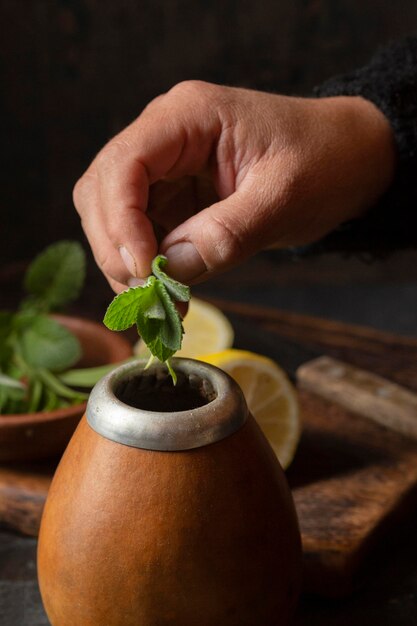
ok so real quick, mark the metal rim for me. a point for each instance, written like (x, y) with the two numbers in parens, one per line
(167, 431)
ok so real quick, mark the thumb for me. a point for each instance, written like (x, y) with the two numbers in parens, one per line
(216, 239)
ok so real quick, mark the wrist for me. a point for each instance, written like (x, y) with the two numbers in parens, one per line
(368, 144)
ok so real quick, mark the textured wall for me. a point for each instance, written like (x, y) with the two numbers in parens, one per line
(73, 72)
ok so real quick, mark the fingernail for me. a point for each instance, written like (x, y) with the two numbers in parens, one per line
(128, 260)
(185, 262)
(135, 282)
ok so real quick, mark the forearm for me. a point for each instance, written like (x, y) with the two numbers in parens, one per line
(390, 83)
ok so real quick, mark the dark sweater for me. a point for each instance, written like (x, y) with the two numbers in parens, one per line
(390, 82)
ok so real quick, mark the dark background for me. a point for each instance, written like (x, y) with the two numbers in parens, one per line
(74, 72)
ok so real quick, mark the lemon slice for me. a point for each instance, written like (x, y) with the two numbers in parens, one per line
(206, 330)
(270, 396)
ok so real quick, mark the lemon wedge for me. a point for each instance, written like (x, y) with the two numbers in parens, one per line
(206, 330)
(270, 396)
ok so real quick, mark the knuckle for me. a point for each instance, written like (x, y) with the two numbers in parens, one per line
(113, 231)
(226, 241)
(111, 155)
(192, 89)
(291, 185)
(82, 191)
(153, 104)
(115, 284)
(121, 226)
(77, 194)
(103, 260)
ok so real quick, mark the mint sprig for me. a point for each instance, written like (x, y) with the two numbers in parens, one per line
(48, 344)
(176, 290)
(152, 308)
(56, 276)
(35, 348)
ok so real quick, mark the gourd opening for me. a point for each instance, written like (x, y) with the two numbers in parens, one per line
(153, 390)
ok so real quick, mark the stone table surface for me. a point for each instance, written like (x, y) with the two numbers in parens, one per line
(383, 295)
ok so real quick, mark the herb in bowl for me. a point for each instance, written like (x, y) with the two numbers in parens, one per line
(35, 348)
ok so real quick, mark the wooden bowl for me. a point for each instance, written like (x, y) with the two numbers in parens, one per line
(30, 436)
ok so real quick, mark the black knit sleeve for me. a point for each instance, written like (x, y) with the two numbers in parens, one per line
(390, 82)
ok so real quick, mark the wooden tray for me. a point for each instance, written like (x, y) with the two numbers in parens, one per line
(352, 479)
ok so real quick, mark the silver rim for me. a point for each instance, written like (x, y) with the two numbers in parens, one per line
(170, 431)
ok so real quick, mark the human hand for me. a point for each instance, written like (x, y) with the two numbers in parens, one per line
(220, 173)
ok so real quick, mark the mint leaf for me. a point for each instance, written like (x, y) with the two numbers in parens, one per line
(12, 383)
(149, 326)
(3, 399)
(152, 308)
(57, 275)
(158, 321)
(122, 311)
(30, 342)
(12, 394)
(87, 377)
(35, 395)
(24, 318)
(6, 327)
(57, 387)
(47, 344)
(6, 319)
(171, 328)
(149, 310)
(159, 349)
(176, 290)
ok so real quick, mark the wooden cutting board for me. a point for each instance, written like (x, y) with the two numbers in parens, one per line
(354, 481)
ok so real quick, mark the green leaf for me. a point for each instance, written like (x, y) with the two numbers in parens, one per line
(123, 310)
(176, 290)
(159, 349)
(24, 318)
(12, 383)
(87, 377)
(171, 328)
(57, 275)
(150, 330)
(51, 400)
(35, 395)
(151, 306)
(47, 344)
(6, 321)
(3, 400)
(57, 387)
(15, 371)
(6, 328)
(158, 321)
(13, 406)
(12, 395)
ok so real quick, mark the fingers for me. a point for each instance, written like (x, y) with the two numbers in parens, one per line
(182, 308)
(114, 220)
(123, 202)
(106, 256)
(219, 237)
(172, 137)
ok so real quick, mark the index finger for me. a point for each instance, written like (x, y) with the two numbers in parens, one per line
(171, 138)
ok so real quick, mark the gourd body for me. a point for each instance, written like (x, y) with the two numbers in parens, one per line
(199, 537)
